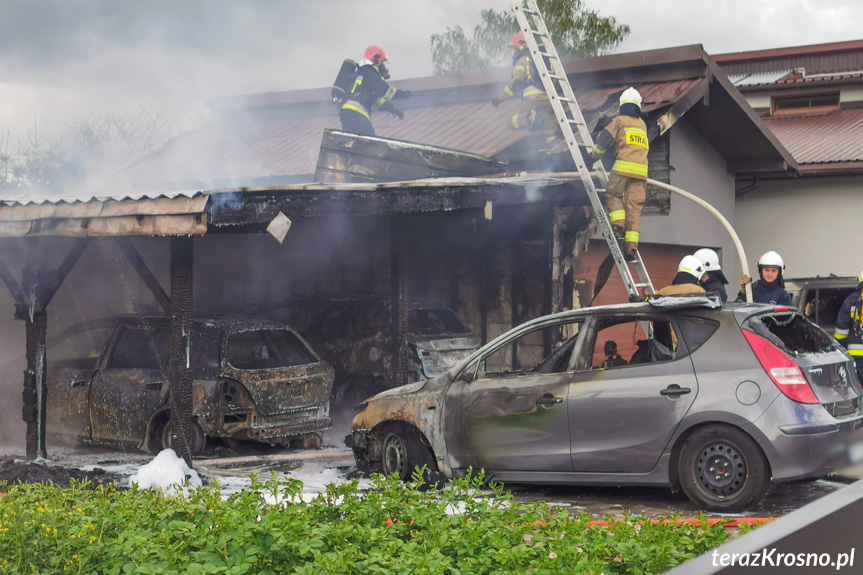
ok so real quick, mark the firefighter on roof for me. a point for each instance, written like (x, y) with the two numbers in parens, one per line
(370, 92)
(535, 112)
(849, 326)
(626, 135)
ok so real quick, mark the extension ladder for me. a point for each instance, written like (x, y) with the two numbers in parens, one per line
(571, 123)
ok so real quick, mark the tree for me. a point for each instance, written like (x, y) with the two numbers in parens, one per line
(96, 146)
(575, 30)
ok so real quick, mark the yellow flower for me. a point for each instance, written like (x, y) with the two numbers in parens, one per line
(74, 556)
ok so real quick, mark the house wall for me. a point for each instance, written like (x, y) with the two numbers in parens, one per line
(809, 221)
(699, 169)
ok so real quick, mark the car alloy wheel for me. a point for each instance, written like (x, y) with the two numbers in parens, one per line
(723, 469)
(197, 441)
(395, 457)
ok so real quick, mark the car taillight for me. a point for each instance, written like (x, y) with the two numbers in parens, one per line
(786, 374)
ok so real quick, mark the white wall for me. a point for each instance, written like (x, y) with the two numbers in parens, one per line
(699, 169)
(811, 222)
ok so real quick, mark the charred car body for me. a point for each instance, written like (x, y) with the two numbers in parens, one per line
(820, 298)
(252, 380)
(716, 400)
(355, 336)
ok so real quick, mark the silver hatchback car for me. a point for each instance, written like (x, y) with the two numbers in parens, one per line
(681, 391)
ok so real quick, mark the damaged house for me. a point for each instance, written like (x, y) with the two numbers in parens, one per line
(490, 244)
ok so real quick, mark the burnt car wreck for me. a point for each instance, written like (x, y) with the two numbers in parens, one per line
(717, 401)
(252, 380)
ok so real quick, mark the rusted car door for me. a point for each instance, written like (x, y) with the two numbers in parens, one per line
(622, 417)
(72, 361)
(513, 414)
(126, 390)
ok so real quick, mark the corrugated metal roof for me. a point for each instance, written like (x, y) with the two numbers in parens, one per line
(758, 79)
(826, 138)
(240, 150)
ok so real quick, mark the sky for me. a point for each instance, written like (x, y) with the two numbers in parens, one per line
(62, 61)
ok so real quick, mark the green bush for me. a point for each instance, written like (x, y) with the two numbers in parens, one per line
(389, 528)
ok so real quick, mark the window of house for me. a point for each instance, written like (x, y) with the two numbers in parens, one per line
(812, 104)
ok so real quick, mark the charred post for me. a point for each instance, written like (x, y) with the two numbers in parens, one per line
(35, 383)
(399, 297)
(181, 325)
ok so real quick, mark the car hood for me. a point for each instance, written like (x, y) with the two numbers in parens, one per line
(400, 390)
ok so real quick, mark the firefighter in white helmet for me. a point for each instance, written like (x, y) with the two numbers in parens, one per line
(771, 287)
(849, 325)
(626, 135)
(713, 278)
(686, 280)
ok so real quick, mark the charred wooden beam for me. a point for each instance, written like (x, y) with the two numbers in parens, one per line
(35, 386)
(180, 372)
(144, 272)
(58, 277)
(399, 298)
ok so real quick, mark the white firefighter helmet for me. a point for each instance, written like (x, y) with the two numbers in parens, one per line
(709, 259)
(771, 260)
(631, 96)
(691, 265)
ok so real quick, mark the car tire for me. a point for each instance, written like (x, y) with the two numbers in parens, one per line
(196, 444)
(721, 468)
(402, 452)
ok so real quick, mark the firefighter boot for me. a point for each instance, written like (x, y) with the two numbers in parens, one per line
(630, 252)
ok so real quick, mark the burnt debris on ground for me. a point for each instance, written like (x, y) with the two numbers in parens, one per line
(13, 471)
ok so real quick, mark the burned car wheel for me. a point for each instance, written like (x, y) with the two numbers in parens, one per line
(197, 441)
(401, 452)
(723, 469)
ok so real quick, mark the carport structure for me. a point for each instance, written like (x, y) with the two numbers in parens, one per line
(529, 210)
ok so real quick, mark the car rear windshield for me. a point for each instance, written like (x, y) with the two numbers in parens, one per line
(793, 332)
(267, 349)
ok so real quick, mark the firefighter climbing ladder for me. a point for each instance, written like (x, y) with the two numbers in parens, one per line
(572, 123)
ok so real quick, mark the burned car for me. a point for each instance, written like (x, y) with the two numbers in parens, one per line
(252, 380)
(354, 335)
(820, 298)
(717, 400)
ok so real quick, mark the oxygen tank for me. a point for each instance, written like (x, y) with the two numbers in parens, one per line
(344, 81)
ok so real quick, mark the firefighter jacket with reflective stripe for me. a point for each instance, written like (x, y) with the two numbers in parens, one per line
(369, 92)
(628, 138)
(849, 315)
(524, 79)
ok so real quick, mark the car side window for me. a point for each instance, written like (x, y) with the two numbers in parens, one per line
(622, 341)
(139, 348)
(79, 350)
(267, 349)
(544, 350)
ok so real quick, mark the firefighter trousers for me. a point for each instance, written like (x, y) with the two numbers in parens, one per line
(536, 115)
(356, 123)
(624, 198)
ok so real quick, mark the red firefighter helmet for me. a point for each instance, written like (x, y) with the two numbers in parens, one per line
(518, 40)
(376, 55)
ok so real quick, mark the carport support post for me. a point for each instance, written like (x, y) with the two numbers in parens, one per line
(181, 325)
(399, 298)
(35, 383)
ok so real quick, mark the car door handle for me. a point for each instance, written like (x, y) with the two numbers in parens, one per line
(675, 390)
(154, 385)
(549, 399)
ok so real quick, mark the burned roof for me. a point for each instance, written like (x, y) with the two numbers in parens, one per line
(273, 139)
